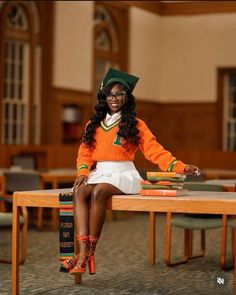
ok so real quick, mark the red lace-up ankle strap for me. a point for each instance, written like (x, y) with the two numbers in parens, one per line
(93, 239)
(93, 242)
(83, 238)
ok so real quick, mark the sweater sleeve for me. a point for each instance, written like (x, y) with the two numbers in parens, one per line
(155, 152)
(84, 161)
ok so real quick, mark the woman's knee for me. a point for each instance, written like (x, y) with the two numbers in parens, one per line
(81, 195)
(99, 194)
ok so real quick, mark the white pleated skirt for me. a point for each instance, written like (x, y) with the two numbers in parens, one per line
(121, 174)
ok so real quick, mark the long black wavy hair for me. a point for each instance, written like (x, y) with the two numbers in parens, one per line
(127, 126)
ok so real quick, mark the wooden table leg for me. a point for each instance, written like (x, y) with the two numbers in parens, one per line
(15, 248)
(234, 252)
(152, 225)
(54, 218)
(78, 278)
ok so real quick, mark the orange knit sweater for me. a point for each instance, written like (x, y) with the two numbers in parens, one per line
(109, 148)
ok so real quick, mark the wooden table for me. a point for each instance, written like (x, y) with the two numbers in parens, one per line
(195, 202)
(229, 184)
(57, 176)
(54, 177)
(210, 173)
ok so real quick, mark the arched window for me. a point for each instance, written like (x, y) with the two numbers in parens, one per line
(20, 72)
(110, 40)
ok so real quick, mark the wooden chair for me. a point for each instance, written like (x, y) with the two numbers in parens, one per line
(232, 224)
(6, 222)
(25, 161)
(24, 181)
(191, 222)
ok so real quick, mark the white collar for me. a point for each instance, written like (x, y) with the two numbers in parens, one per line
(110, 119)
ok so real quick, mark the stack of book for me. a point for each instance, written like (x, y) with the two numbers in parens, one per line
(163, 184)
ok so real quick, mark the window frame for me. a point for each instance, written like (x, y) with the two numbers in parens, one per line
(41, 40)
(223, 106)
(119, 58)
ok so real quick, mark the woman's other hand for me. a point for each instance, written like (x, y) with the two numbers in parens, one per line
(79, 180)
(192, 170)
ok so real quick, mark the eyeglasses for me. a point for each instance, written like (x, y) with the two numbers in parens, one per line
(118, 95)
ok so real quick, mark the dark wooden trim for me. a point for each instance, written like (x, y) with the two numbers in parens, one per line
(197, 7)
(70, 96)
(151, 6)
(178, 8)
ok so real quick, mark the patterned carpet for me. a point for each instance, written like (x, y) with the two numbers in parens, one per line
(122, 260)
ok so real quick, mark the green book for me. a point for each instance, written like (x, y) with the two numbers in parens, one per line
(161, 178)
(156, 186)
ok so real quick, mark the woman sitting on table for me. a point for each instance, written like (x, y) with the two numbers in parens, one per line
(111, 139)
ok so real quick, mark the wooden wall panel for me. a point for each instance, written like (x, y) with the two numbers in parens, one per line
(62, 156)
(196, 7)
(192, 125)
(208, 158)
(181, 129)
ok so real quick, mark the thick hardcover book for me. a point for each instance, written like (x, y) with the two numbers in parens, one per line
(164, 178)
(164, 192)
(164, 174)
(161, 182)
(157, 186)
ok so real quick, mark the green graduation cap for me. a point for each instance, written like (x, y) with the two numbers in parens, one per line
(126, 79)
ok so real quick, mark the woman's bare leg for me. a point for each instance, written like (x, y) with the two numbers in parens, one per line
(81, 208)
(81, 219)
(99, 195)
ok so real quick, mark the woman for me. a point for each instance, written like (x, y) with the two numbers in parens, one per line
(111, 139)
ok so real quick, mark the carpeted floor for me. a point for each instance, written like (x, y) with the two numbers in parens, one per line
(122, 260)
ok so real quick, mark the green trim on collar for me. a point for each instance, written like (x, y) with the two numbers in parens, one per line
(107, 128)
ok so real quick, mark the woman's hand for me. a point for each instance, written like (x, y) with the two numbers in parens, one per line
(79, 180)
(192, 170)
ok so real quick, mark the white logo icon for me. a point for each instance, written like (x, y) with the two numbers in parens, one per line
(220, 281)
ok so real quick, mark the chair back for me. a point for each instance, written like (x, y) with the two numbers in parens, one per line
(22, 181)
(24, 161)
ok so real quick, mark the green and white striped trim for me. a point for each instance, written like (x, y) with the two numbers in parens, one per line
(172, 165)
(83, 166)
(107, 128)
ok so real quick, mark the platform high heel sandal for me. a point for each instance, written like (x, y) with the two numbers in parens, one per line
(91, 259)
(81, 258)
(69, 263)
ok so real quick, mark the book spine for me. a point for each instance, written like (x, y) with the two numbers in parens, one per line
(163, 174)
(158, 192)
(162, 182)
(163, 178)
(156, 186)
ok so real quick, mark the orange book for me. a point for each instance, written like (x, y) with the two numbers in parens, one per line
(164, 192)
(161, 182)
(164, 174)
